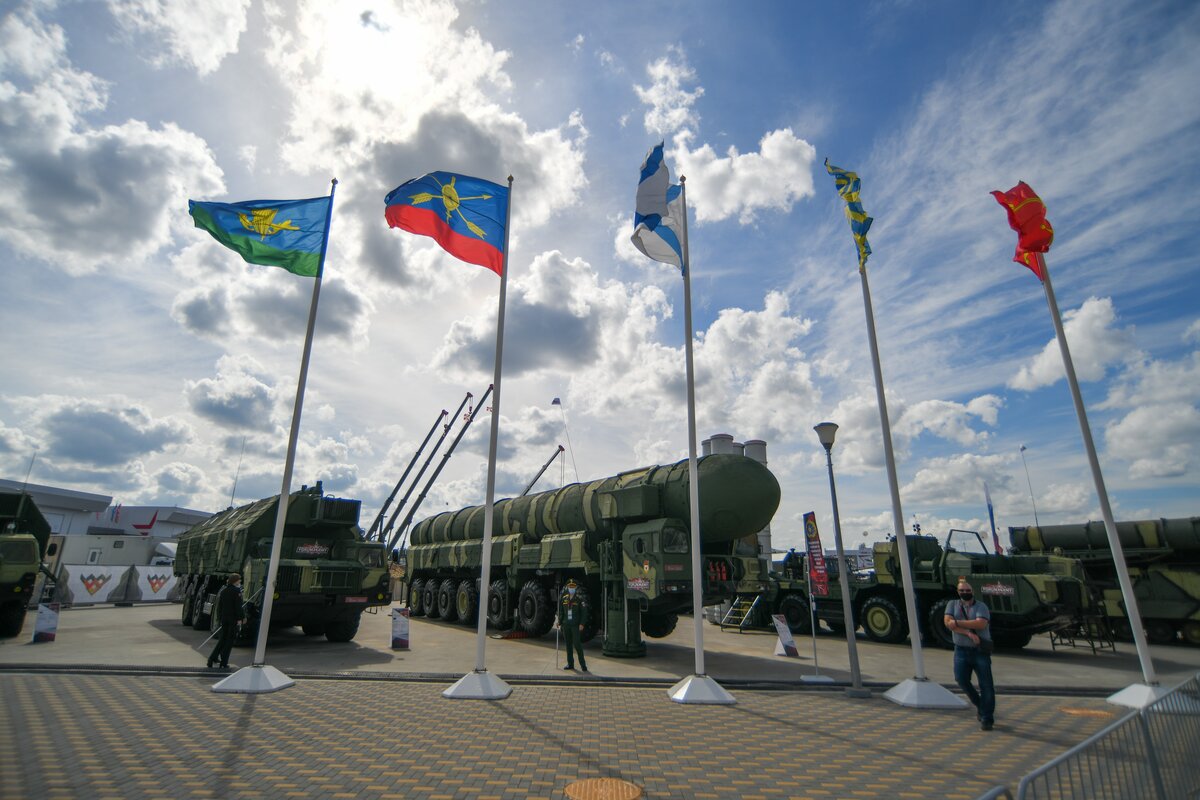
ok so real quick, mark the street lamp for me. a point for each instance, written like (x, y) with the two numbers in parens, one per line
(1030, 484)
(826, 432)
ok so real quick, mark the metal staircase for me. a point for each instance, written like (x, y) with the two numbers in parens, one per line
(741, 613)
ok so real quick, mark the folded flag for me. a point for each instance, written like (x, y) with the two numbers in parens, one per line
(848, 186)
(1027, 216)
(465, 215)
(275, 233)
(658, 216)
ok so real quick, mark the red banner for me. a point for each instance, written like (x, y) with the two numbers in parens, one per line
(818, 576)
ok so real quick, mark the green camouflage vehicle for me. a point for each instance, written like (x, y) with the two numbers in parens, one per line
(24, 534)
(1163, 556)
(625, 540)
(1025, 594)
(328, 575)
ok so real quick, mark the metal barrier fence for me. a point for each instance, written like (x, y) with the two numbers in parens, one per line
(1153, 752)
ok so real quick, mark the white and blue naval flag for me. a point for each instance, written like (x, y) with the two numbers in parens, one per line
(658, 220)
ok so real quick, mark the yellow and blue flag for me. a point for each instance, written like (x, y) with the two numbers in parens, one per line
(275, 233)
(848, 186)
(465, 215)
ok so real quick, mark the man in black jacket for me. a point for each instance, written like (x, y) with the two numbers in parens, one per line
(228, 613)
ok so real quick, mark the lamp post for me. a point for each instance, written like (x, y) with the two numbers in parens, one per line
(826, 432)
(1030, 484)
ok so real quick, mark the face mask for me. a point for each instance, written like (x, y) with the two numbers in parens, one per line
(968, 596)
(571, 592)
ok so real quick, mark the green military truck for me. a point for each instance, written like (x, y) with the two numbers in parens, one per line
(625, 540)
(24, 534)
(1163, 556)
(1026, 594)
(328, 574)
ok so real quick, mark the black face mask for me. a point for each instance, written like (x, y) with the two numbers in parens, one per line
(967, 596)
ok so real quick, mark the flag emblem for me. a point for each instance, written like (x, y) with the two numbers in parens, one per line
(262, 221)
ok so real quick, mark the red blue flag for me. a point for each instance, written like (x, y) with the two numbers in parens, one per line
(465, 215)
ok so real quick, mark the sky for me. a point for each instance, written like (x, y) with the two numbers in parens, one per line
(145, 361)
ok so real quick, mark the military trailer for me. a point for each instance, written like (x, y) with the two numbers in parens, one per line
(24, 534)
(328, 574)
(625, 540)
(1163, 556)
(1025, 594)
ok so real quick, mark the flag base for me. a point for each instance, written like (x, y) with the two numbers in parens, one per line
(478, 685)
(700, 690)
(1138, 695)
(923, 693)
(258, 679)
(816, 679)
(859, 693)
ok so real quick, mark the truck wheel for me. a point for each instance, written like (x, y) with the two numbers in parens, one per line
(795, 612)
(445, 600)
(200, 620)
(416, 598)
(429, 597)
(1191, 631)
(342, 630)
(313, 628)
(1159, 631)
(1011, 640)
(534, 612)
(12, 619)
(498, 613)
(466, 603)
(659, 626)
(189, 609)
(882, 621)
(936, 624)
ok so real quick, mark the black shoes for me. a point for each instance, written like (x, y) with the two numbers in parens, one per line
(570, 667)
(985, 725)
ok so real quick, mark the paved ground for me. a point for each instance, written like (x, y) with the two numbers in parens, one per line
(121, 707)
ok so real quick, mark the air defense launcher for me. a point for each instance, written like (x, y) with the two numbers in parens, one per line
(24, 534)
(625, 540)
(328, 574)
(1163, 556)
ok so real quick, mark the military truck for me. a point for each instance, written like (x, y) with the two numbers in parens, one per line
(1025, 594)
(24, 533)
(328, 574)
(625, 539)
(1163, 556)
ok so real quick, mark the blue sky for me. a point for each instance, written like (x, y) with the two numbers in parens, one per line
(140, 353)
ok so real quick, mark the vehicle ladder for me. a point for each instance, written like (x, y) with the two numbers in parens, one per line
(741, 612)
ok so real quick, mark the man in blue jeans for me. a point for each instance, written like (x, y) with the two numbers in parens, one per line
(968, 619)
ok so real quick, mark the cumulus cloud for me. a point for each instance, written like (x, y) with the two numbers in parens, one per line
(670, 103)
(240, 396)
(177, 482)
(960, 478)
(101, 433)
(949, 420)
(196, 34)
(104, 193)
(1159, 434)
(1095, 344)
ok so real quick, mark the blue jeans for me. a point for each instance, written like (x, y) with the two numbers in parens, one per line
(966, 661)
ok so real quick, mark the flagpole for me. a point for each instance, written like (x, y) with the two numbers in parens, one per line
(699, 688)
(1136, 695)
(259, 677)
(919, 691)
(480, 684)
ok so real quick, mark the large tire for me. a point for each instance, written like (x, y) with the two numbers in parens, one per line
(935, 624)
(313, 628)
(1011, 640)
(342, 630)
(498, 613)
(416, 598)
(796, 613)
(188, 610)
(200, 620)
(429, 597)
(12, 619)
(1191, 631)
(882, 620)
(659, 626)
(535, 613)
(466, 602)
(445, 600)
(1159, 631)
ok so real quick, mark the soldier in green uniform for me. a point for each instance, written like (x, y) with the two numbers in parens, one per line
(573, 613)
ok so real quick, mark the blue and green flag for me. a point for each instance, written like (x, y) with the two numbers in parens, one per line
(848, 186)
(275, 233)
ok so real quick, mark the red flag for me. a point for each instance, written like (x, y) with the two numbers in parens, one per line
(1027, 216)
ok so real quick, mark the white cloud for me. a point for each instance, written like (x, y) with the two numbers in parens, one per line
(198, 34)
(670, 103)
(240, 396)
(1094, 341)
(741, 184)
(1160, 433)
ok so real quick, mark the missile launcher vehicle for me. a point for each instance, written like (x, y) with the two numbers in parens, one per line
(24, 534)
(625, 539)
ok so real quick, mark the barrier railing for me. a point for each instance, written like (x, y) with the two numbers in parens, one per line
(1151, 752)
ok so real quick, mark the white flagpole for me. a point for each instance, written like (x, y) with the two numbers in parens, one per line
(480, 684)
(699, 688)
(1136, 695)
(919, 691)
(259, 677)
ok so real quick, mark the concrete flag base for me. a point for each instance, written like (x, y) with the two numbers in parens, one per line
(701, 690)
(1137, 695)
(914, 693)
(478, 685)
(258, 679)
